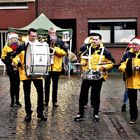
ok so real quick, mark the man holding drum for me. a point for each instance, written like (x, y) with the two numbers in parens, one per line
(19, 60)
(56, 66)
(97, 60)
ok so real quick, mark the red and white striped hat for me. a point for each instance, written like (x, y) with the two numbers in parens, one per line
(12, 35)
(135, 40)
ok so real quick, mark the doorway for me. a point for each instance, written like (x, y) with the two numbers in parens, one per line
(66, 24)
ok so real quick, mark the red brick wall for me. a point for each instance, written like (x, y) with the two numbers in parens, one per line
(82, 10)
(117, 54)
(17, 18)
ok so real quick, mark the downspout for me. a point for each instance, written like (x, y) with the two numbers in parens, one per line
(36, 8)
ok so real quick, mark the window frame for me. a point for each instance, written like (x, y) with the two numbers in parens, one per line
(94, 25)
(14, 5)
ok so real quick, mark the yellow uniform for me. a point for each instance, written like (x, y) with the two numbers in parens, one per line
(107, 61)
(133, 81)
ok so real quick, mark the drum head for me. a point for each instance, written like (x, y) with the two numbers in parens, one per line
(41, 59)
(37, 60)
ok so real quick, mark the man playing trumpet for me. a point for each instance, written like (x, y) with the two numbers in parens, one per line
(130, 65)
(95, 58)
(56, 66)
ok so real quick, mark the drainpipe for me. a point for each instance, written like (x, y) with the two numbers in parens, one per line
(36, 8)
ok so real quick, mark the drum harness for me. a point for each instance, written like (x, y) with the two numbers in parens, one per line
(93, 74)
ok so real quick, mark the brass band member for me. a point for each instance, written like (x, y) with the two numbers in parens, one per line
(12, 72)
(130, 65)
(38, 82)
(106, 63)
(56, 66)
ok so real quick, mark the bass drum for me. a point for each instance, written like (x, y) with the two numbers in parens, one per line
(37, 60)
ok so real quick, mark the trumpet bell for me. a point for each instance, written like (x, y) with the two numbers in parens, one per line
(88, 40)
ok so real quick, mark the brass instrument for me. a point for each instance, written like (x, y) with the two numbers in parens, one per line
(89, 40)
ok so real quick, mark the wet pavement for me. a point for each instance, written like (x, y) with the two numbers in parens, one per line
(113, 125)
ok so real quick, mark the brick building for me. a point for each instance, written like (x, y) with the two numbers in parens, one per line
(117, 21)
(15, 13)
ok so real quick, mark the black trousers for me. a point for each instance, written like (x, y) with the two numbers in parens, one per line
(132, 95)
(91, 98)
(38, 83)
(95, 89)
(14, 84)
(55, 78)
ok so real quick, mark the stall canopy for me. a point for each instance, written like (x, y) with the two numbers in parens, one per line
(42, 24)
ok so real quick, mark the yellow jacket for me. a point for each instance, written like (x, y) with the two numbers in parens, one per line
(107, 62)
(6, 54)
(58, 56)
(20, 56)
(133, 81)
(22, 74)
(56, 66)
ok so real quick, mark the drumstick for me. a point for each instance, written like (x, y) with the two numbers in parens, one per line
(104, 63)
(92, 64)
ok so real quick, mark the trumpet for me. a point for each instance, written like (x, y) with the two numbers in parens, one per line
(88, 40)
(53, 39)
(53, 43)
(52, 50)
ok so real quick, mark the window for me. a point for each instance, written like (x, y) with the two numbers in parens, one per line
(14, 5)
(114, 31)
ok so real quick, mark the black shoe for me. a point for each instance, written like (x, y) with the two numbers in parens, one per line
(85, 107)
(12, 104)
(42, 117)
(123, 108)
(55, 105)
(79, 118)
(46, 104)
(18, 104)
(96, 118)
(28, 118)
(133, 121)
(92, 106)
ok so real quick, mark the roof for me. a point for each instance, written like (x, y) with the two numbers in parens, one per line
(42, 24)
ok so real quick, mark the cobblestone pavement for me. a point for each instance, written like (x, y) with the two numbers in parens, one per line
(113, 125)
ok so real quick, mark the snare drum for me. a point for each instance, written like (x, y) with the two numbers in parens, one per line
(92, 75)
(37, 60)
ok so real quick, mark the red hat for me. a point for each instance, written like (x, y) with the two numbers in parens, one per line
(135, 40)
(135, 43)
